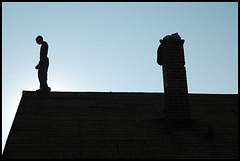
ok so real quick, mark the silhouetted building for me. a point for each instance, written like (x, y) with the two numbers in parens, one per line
(171, 58)
(121, 125)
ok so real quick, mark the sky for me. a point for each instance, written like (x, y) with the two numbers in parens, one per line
(111, 46)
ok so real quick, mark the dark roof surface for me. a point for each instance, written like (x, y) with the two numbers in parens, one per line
(121, 125)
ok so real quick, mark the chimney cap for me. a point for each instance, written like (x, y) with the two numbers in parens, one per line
(174, 36)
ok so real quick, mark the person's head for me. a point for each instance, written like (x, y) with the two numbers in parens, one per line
(39, 39)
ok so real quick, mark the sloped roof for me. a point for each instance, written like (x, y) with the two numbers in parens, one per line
(121, 125)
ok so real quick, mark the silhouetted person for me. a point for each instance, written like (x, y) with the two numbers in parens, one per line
(43, 64)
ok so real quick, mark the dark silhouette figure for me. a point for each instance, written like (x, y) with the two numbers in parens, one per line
(43, 64)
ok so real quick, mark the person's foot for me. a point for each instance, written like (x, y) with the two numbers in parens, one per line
(39, 90)
(48, 89)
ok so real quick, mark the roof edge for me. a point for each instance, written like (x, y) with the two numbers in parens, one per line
(142, 92)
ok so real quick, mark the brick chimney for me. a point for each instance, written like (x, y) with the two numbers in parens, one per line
(170, 56)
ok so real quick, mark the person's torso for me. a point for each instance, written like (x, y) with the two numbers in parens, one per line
(44, 51)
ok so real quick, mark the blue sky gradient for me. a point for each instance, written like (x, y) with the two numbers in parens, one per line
(111, 46)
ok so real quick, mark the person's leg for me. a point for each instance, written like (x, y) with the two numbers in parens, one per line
(45, 70)
(42, 75)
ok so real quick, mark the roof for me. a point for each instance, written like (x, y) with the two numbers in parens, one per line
(121, 125)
